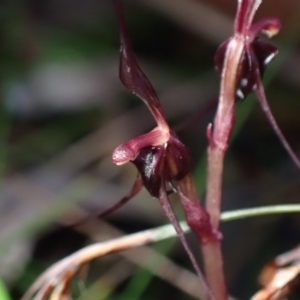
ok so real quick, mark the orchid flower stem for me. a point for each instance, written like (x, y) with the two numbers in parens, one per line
(213, 264)
(205, 290)
(218, 143)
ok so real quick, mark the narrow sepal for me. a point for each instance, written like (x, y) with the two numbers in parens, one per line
(267, 110)
(205, 291)
(132, 76)
(136, 188)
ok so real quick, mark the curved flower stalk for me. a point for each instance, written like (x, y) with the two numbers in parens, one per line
(241, 62)
(254, 60)
(161, 159)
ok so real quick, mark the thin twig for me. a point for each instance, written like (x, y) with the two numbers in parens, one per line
(55, 273)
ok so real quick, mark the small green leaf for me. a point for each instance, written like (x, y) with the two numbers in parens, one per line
(3, 292)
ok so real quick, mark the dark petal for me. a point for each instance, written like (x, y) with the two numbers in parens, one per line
(220, 57)
(247, 77)
(178, 157)
(150, 163)
(131, 74)
(264, 53)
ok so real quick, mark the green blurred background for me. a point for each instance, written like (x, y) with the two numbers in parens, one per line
(63, 111)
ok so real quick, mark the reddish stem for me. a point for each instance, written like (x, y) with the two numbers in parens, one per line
(213, 265)
(199, 221)
(218, 143)
(205, 291)
(245, 14)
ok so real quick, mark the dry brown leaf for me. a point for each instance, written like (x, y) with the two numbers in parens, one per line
(280, 285)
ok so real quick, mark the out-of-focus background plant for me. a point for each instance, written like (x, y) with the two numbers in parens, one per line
(63, 111)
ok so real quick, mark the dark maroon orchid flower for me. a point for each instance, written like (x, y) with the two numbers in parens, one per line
(161, 159)
(255, 58)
